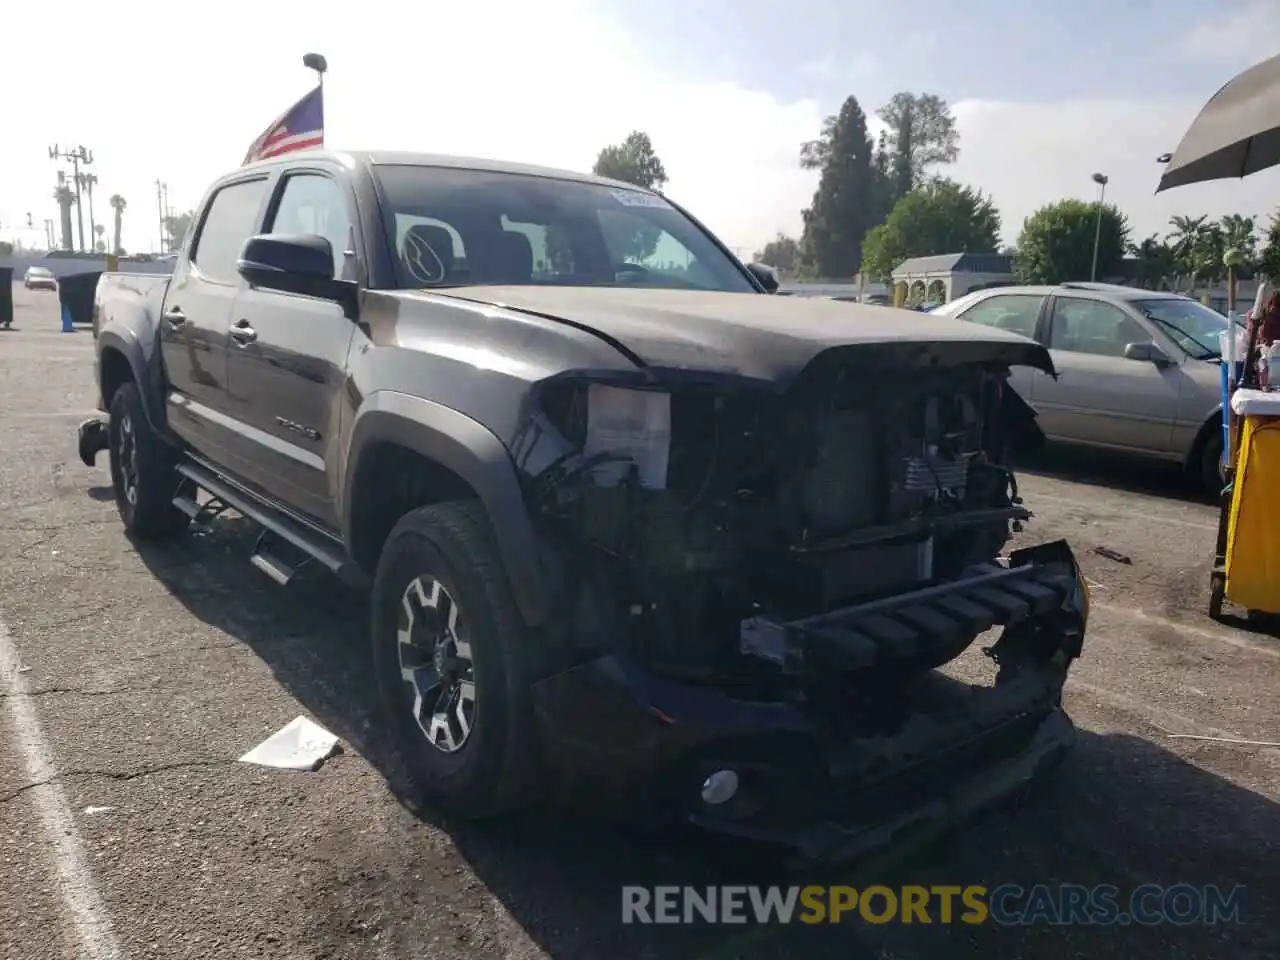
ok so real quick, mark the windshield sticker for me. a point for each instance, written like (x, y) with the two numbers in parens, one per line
(633, 198)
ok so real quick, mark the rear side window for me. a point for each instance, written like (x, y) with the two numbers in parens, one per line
(230, 221)
(1015, 312)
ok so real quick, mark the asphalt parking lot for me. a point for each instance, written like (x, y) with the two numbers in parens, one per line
(131, 680)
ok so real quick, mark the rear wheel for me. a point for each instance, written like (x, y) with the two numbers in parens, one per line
(454, 661)
(142, 470)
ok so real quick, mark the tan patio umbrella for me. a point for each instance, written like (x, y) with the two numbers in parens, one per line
(1236, 134)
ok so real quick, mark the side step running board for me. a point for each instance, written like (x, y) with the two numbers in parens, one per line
(270, 563)
(308, 542)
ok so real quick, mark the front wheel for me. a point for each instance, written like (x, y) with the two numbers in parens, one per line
(1212, 475)
(454, 661)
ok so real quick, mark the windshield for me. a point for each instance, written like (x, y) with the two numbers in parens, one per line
(1191, 325)
(456, 227)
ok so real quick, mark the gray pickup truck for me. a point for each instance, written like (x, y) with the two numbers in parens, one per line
(635, 530)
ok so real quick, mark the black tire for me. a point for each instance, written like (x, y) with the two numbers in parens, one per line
(144, 464)
(493, 768)
(1217, 593)
(1211, 475)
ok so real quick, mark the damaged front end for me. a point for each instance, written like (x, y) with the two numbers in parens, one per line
(754, 590)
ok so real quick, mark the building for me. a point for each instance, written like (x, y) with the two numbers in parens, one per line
(946, 276)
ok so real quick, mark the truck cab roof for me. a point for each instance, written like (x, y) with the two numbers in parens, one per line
(374, 158)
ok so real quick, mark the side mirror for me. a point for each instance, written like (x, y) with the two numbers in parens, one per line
(1147, 352)
(766, 275)
(295, 263)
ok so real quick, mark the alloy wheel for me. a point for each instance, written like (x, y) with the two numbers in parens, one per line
(435, 660)
(127, 452)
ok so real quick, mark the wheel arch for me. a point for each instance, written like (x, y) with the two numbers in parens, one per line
(407, 452)
(1212, 423)
(121, 359)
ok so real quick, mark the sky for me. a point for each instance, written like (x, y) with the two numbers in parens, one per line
(1044, 94)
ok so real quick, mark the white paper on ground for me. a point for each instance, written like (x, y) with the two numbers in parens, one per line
(301, 744)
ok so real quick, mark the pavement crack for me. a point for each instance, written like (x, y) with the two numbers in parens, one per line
(25, 552)
(54, 528)
(184, 651)
(117, 775)
(77, 691)
(89, 614)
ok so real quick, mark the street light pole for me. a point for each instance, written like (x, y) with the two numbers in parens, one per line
(1101, 181)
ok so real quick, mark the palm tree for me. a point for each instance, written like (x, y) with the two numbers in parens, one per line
(66, 199)
(118, 203)
(1238, 234)
(87, 182)
(1186, 237)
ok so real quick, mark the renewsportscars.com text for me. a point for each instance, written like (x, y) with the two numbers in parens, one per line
(1006, 905)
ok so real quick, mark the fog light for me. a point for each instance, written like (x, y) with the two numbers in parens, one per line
(720, 787)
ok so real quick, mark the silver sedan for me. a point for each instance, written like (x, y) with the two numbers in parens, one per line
(1138, 370)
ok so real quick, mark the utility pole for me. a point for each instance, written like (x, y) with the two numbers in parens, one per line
(77, 155)
(161, 190)
(90, 181)
(48, 232)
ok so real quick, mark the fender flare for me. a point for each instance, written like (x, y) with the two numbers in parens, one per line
(470, 450)
(125, 342)
(1205, 429)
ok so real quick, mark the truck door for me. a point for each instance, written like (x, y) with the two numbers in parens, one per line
(197, 313)
(288, 353)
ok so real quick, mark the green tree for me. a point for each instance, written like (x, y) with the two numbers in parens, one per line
(1056, 243)
(1206, 256)
(841, 211)
(1269, 258)
(632, 161)
(921, 134)
(1157, 262)
(1184, 240)
(940, 217)
(6, 249)
(782, 253)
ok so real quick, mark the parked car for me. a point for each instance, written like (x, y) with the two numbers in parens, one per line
(39, 278)
(643, 535)
(1137, 369)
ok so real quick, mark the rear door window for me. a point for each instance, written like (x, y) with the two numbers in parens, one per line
(1015, 312)
(231, 219)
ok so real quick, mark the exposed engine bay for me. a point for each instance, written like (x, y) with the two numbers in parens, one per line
(707, 511)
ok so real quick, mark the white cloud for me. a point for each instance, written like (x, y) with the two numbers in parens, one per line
(1027, 155)
(545, 83)
(1227, 35)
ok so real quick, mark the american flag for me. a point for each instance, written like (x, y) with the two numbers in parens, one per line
(299, 127)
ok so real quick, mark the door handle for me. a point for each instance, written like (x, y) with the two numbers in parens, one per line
(242, 333)
(175, 317)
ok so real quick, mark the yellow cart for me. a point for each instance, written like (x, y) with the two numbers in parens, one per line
(1248, 573)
